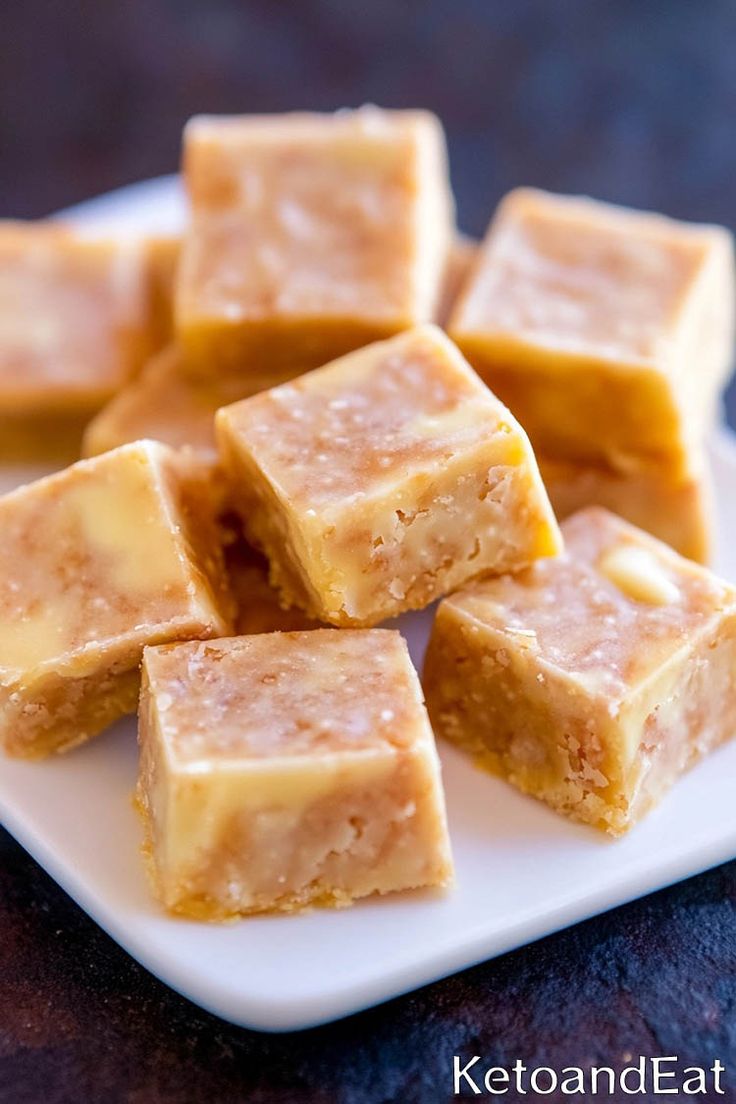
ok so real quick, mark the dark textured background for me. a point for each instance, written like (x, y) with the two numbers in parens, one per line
(632, 101)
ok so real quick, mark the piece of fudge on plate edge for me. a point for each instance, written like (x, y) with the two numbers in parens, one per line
(97, 561)
(593, 680)
(79, 316)
(285, 770)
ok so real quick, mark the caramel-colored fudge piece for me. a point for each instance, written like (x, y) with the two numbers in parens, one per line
(591, 681)
(608, 332)
(288, 769)
(162, 259)
(311, 235)
(49, 437)
(165, 404)
(384, 480)
(76, 324)
(96, 562)
(458, 268)
(677, 511)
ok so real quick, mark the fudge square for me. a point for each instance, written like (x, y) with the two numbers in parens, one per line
(677, 511)
(162, 259)
(288, 769)
(608, 332)
(311, 235)
(165, 404)
(77, 321)
(591, 681)
(458, 267)
(383, 480)
(96, 562)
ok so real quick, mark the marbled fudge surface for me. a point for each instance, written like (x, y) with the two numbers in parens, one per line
(311, 235)
(384, 479)
(257, 697)
(580, 614)
(343, 434)
(80, 313)
(288, 769)
(590, 277)
(592, 680)
(77, 561)
(95, 562)
(74, 315)
(609, 332)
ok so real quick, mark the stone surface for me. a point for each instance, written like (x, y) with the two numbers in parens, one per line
(79, 1020)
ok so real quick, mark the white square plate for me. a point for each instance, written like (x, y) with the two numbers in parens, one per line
(522, 872)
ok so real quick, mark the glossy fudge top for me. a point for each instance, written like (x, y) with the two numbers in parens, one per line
(581, 276)
(285, 694)
(369, 419)
(609, 611)
(90, 555)
(329, 211)
(73, 309)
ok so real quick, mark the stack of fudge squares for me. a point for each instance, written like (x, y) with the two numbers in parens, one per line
(303, 418)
